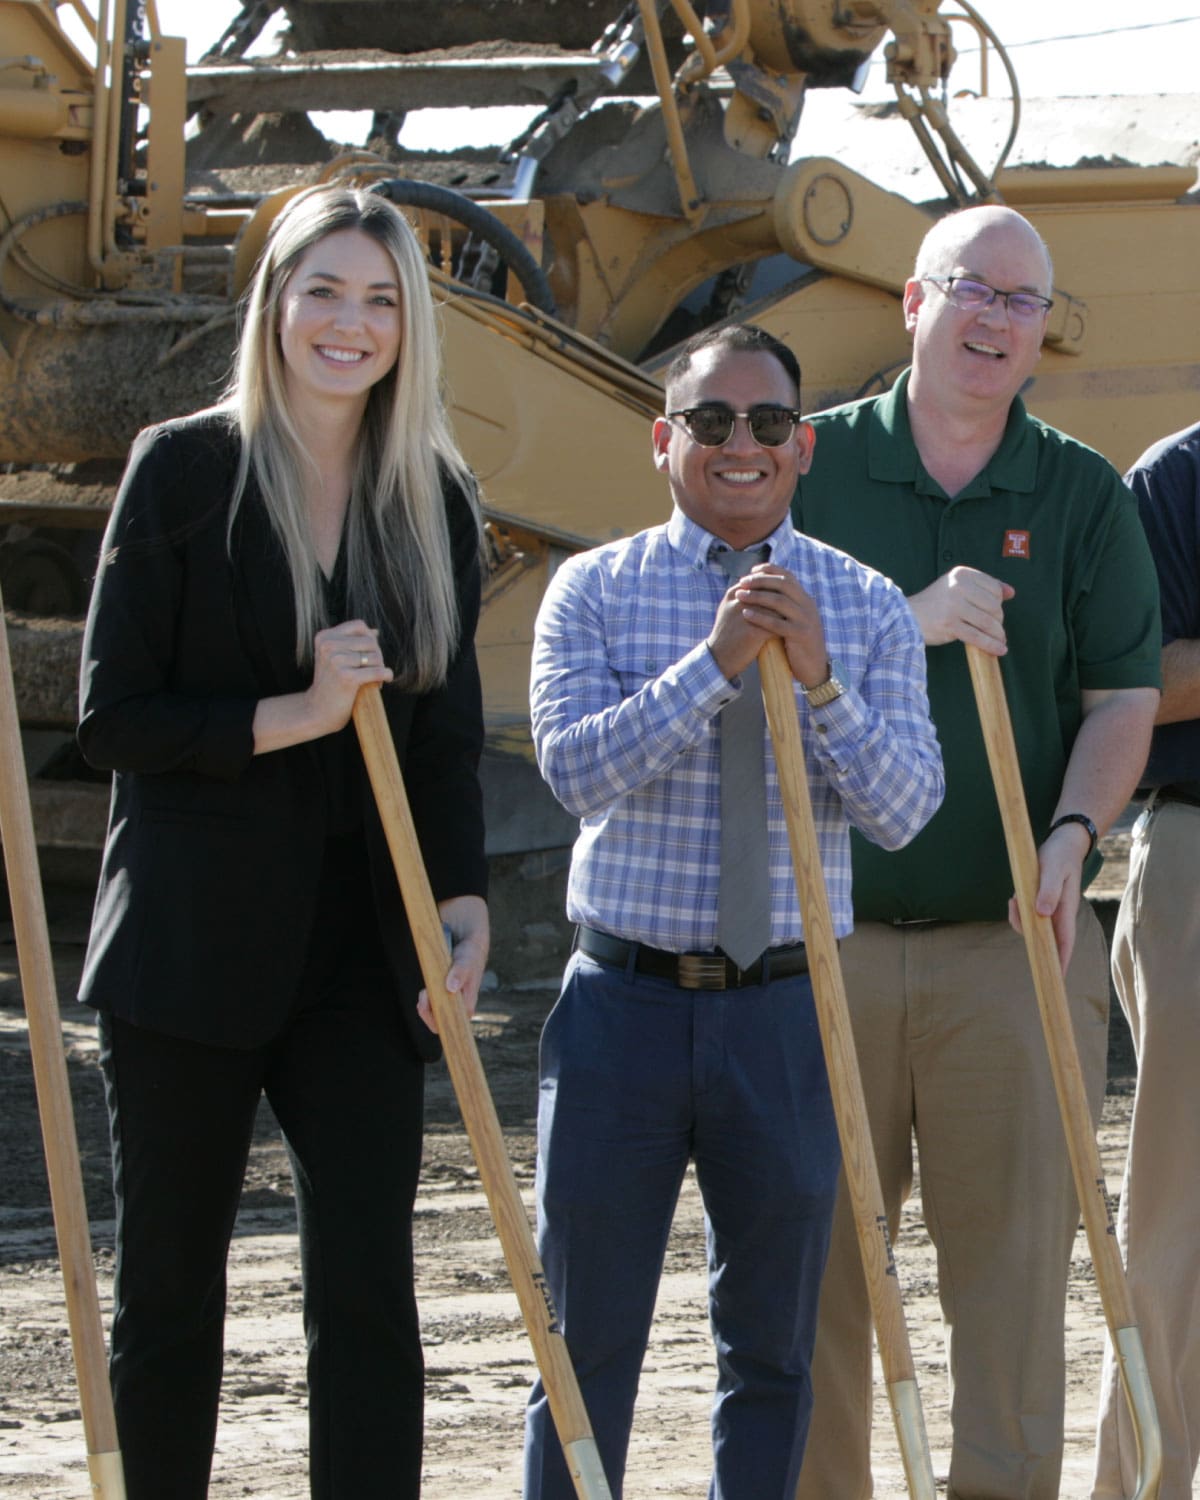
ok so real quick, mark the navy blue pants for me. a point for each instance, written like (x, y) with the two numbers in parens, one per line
(637, 1077)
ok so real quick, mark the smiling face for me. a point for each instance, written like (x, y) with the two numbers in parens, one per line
(741, 491)
(974, 363)
(339, 319)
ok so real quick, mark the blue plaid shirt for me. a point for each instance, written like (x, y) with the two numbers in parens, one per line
(626, 699)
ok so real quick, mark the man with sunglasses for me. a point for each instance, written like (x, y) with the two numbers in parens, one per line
(685, 1029)
(1009, 536)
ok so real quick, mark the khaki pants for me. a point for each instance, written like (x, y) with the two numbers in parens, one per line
(1156, 964)
(952, 1052)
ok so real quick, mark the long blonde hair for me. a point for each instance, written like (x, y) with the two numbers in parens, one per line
(398, 546)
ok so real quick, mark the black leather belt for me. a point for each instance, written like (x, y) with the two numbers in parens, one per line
(692, 971)
(1185, 795)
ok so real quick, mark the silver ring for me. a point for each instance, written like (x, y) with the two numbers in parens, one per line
(364, 659)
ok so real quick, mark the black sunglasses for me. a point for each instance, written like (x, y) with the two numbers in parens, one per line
(712, 425)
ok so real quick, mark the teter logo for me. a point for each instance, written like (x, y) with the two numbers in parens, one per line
(1016, 544)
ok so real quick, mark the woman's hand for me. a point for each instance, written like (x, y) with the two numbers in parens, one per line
(345, 658)
(467, 919)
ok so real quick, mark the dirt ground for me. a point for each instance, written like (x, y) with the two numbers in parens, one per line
(479, 1364)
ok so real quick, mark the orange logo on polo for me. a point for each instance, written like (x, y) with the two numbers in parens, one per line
(1016, 544)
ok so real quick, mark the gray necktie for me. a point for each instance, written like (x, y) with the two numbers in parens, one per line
(744, 899)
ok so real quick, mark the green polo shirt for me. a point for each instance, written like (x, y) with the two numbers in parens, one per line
(1047, 515)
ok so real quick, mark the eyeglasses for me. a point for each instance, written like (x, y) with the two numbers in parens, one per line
(712, 424)
(973, 296)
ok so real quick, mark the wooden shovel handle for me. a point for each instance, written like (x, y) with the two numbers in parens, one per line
(1048, 982)
(475, 1101)
(845, 1081)
(54, 1098)
(1064, 1058)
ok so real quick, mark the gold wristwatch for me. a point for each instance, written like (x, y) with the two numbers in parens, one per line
(825, 692)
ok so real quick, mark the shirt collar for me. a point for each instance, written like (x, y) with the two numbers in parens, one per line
(893, 458)
(694, 544)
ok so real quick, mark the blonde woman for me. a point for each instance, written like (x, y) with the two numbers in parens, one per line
(267, 558)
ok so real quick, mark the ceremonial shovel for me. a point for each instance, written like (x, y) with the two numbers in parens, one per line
(841, 1060)
(475, 1102)
(54, 1099)
(1064, 1065)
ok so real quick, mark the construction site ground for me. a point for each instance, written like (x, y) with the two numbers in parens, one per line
(478, 1357)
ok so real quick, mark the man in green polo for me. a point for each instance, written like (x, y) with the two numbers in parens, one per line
(1008, 535)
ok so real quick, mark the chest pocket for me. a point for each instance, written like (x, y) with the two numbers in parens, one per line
(634, 667)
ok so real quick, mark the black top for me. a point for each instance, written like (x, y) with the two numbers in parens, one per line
(1166, 481)
(341, 763)
(212, 863)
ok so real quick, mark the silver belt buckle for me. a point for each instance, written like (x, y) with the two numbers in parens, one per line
(701, 971)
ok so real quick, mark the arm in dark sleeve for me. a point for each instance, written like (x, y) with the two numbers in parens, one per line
(132, 715)
(1168, 500)
(441, 765)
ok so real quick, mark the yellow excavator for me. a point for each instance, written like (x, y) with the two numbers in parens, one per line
(665, 183)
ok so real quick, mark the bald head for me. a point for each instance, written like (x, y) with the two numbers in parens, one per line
(949, 243)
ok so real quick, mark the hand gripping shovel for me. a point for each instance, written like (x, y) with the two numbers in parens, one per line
(1064, 1065)
(833, 1017)
(54, 1099)
(475, 1101)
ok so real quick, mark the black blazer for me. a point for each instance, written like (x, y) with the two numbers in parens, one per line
(210, 869)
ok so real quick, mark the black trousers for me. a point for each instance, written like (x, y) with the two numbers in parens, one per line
(346, 1086)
